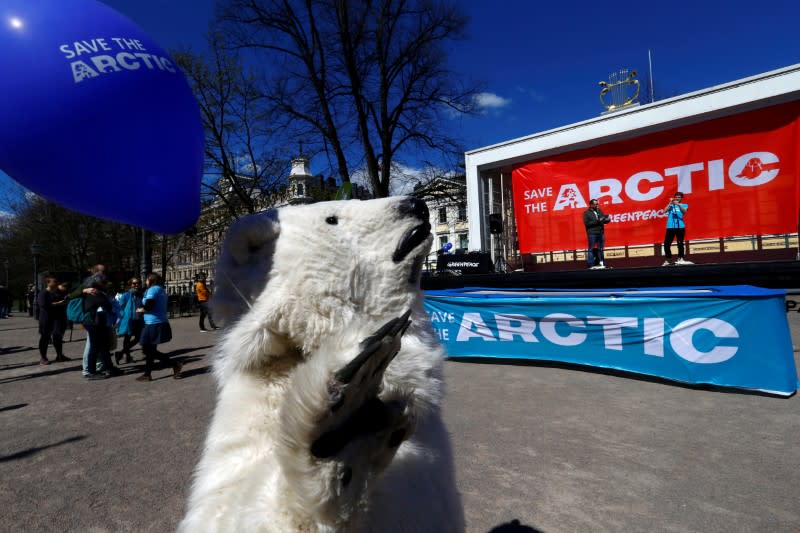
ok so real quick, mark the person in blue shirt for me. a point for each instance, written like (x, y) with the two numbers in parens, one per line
(130, 323)
(156, 328)
(676, 229)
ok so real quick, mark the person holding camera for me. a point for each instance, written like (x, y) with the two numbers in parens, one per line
(595, 220)
(676, 229)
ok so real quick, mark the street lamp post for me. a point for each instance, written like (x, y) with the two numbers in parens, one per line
(36, 250)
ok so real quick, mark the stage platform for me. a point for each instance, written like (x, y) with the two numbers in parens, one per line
(771, 274)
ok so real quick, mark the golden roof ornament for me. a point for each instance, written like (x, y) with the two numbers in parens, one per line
(621, 90)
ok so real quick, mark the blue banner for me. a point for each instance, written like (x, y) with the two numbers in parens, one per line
(727, 336)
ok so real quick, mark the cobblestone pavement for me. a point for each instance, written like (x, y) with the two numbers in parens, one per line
(556, 448)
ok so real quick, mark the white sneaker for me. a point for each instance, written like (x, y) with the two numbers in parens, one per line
(682, 261)
(666, 263)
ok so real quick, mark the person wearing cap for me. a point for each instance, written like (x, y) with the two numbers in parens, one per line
(675, 211)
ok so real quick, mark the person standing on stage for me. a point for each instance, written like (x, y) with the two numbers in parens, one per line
(595, 220)
(676, 229)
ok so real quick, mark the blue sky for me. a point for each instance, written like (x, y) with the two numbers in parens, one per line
(541, 61)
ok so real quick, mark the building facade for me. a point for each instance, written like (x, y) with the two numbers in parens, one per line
(199, 253)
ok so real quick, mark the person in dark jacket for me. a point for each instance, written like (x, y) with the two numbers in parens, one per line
(52, 320)
(595, 220)
(100, 309)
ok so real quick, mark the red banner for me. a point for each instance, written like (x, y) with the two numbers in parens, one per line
(738, 175)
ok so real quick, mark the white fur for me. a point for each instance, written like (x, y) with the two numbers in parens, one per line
(298, 295)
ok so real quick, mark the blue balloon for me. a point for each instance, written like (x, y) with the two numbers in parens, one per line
(95, 116)
(448, 246)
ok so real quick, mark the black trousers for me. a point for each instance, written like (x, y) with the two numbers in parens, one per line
(151, 353)
(130, 340)
(44, 340)
(206, 312)
(671, 234)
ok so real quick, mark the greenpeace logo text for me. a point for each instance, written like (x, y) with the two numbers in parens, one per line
(463, 264)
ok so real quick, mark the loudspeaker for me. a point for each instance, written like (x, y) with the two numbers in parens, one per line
(495, 223)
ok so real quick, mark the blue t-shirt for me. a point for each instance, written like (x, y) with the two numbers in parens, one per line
(675, 216)
(158, 314)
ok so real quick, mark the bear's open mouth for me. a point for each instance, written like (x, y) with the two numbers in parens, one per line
(413, 238)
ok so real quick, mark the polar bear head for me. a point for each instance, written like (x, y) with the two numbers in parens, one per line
(306, 272)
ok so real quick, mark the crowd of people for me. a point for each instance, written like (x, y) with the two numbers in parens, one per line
(115, 321)
(594, 220)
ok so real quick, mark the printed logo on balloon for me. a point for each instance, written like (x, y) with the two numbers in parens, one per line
(125, 54)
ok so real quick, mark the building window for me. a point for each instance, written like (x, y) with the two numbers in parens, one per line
(443, 215)
(463, 241)
(300, 191)
(442, 241)
(462, 212)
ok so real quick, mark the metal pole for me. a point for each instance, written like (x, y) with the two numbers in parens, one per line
(650, 64)
(504, 264)
(492, 237)
(146, 263)
(36, 286)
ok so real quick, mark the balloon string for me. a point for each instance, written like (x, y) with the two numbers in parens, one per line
(232, 284)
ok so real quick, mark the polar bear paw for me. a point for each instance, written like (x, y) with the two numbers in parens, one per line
(342, 424)
(355, 408)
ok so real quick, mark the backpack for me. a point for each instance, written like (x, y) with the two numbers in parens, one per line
(75, 312)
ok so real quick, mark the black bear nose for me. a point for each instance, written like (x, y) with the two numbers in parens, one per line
(415, 207)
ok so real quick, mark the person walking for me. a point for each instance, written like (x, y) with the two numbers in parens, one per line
(594, 220)
(156, 328)
(203, 297)
(131, 322)
(676, 229)
(52, 320)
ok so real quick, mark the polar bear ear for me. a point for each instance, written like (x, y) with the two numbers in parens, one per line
(244, 264)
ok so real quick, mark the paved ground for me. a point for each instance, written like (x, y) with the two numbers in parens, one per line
(558, 449)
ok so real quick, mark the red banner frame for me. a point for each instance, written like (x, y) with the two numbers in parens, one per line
(738, 175)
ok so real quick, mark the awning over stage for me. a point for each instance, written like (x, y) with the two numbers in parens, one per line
(733, 336)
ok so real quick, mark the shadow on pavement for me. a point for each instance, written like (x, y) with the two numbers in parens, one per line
(15, 349)
(31, 451)
(19, 365)
(13, 407)
(42, 374)
(195, 372)
(514, 527)
(614, 372)
(182, 351)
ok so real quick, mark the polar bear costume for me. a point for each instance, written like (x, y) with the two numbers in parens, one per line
(329, 376)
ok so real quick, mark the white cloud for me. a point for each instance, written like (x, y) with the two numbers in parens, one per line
(486, 101)
(533, 94)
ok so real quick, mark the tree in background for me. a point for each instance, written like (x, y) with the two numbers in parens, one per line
(241, 139)
(367, 80)
(70, 242)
